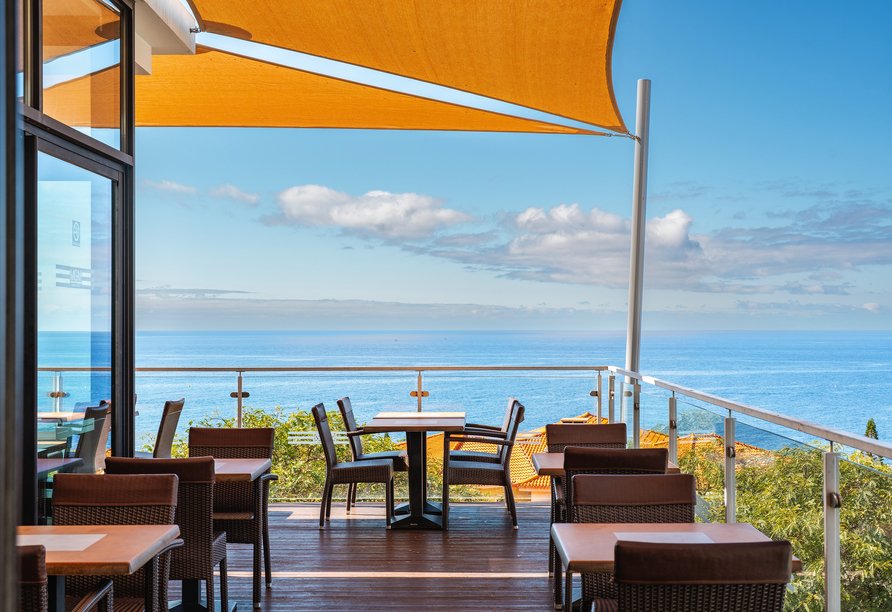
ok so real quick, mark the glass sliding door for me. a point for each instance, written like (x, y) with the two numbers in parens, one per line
(74, 288)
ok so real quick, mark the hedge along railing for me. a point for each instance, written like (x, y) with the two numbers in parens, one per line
(625, 395)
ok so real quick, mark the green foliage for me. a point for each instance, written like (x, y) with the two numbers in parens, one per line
(301, 468)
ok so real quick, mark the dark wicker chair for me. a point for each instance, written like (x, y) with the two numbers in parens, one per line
(400, 458)
(204, 548)
(665, 498)
(373, 470)
(166, 430)
(559, 436)
(33, 582)
(90, 499)
(481, 472)
(487, 431)
(240, 508)
(726, 577)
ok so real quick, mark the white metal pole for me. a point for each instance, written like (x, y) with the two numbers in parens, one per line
(611, 392)
(730, 471)
(673, 429)
(639, 206)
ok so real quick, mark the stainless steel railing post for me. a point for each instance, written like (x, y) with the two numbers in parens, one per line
(598, 398)
(636, 415)
(611, 383)
(730, 472)
(832, 504)
(239, 402)
(673, 429)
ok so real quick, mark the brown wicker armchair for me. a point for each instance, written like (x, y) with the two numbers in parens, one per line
(400, 459)
(240, 508)
(666, 498)
(373, 470)
(716, 577)
(204, 548)
(487, 431)
(90, 499)
(481, 472)
(559, 436)
(166, 430)
(33, 582)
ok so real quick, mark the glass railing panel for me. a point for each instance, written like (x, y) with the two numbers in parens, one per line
(654, 417)
(701, 453)
(780, 492)
(866, 532)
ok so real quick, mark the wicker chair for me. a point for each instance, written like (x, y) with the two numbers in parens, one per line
(204, 548)
(488, 431)
(480, 472)
(400, 459)
(90, 499)
(666, 498)
(726, 577)
(559, 436)
(240, 508)
(166, 430)
(373, 470)
(33, 583)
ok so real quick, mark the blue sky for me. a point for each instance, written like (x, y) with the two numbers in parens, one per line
(769, 196)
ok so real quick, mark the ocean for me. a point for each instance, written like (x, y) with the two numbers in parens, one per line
(839, 378)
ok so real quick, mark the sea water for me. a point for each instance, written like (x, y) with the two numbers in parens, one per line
(837, 379)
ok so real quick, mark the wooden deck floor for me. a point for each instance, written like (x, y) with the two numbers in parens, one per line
(481, 563)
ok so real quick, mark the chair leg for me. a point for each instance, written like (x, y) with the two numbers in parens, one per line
(209, 590)
(445, 501)
(568, 592)
(558, 583)
(266, 554)
(258, 543)
(355, 489)
(224, 586)
(350, 495)
(388, 501)
(328, 505)
(325, 497)
(509, 498)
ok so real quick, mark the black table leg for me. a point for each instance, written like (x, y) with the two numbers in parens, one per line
(191, 601)
(56, 592)
(417, 518)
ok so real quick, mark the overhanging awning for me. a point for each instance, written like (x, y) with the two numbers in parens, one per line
(549, 55)
(219, 89)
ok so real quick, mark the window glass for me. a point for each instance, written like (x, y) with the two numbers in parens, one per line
(82, 67)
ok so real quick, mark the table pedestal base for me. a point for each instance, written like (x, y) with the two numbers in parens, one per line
(422, 513)
(191, 601)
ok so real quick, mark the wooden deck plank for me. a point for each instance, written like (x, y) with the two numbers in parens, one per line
(481, 563)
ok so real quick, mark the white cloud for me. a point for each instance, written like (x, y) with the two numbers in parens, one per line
(376, 214)
(231, 192)
(170, 186)
(872, 307)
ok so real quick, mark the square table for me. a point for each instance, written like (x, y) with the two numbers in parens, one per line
(416, 425)
(47, 466)
(552, 464)
(587, 548)
(94, 550)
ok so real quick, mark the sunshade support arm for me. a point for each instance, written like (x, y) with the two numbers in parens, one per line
(639, 209)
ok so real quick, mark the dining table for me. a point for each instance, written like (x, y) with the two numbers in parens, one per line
(587, 548)
(423, 514)
(225, 470)
(45, 467)
(94, 550)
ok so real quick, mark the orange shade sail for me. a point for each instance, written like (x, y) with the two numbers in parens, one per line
(219, 89)
(549, 55)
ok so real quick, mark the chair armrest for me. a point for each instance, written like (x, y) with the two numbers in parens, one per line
(173, 544)
(463, 438)
(482, 426)
(92, 599)
(358, 432)
(488, 433)
(265, 477)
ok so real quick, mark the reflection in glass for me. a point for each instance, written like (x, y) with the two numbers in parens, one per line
(74, 285)
(82, 67)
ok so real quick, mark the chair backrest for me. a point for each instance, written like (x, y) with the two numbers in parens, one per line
(167, 428)
(33, 594)
(231, 442)
(664, 498)
(328, 445)
(506, 422)
(717, 577)
(585, 460)
(517, 411)
(91, 499)
(91, 444)
(195, 506)
(558, 436)
(350, 423)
